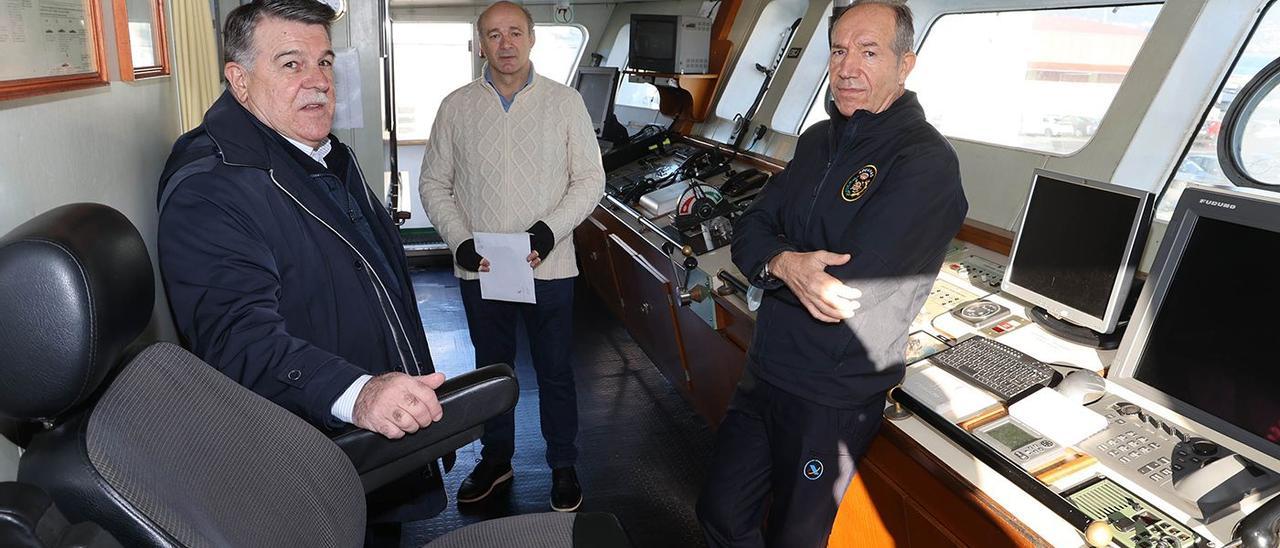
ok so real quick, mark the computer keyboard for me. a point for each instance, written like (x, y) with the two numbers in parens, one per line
(994, 367)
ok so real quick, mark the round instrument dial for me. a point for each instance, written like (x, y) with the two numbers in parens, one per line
(980, 310)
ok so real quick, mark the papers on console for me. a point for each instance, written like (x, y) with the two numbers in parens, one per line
(1058, 418)
(946, 394)
(510, 278)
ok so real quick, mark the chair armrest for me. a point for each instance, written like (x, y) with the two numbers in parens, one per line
(468, 400)
(28, 518)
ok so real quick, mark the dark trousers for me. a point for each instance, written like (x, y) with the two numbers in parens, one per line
(549, 326)
(804, 454)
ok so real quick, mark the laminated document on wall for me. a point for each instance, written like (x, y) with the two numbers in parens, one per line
(1058, 418)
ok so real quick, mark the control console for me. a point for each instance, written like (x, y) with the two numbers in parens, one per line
(1136, 523)
(1200, 477)
(982, 274)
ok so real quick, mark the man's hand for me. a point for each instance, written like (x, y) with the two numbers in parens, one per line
(825, 297)
(541, 241)
(395, 404)
(467, 258)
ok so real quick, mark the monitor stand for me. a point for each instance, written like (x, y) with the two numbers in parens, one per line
(1075, 333)
(1086, 336)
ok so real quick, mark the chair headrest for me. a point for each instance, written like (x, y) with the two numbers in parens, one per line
(76, 287)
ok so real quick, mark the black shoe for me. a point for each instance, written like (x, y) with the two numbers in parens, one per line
(566, 494)
(484, 480)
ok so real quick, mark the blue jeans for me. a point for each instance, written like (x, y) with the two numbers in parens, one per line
(549, 326)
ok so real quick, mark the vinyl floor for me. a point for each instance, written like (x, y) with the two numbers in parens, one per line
(642, 449)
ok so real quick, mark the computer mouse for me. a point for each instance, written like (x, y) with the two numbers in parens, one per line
(1083, 386)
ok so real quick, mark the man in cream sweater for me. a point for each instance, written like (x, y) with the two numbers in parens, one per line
(515, 152)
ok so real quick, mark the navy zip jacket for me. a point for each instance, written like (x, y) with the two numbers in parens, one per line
(274, 279)
(884, 188)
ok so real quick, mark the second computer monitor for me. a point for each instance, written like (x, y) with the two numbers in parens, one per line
(597, 85)
(1077, 248)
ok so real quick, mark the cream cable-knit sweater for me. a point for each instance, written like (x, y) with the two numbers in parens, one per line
(489, 170)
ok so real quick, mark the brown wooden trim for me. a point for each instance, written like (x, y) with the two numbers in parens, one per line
(29, 87)
(988, 415)
(1065, 467)
(959, 485)
(124, 49)
(986, 236)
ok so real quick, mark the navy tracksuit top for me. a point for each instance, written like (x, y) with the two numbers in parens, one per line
(884, 188)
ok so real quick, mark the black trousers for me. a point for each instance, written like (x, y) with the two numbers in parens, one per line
(549, 326)
(775, 443)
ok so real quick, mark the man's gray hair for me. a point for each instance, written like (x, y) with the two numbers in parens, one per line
(528, 17)
(237, 36)
(904, 35)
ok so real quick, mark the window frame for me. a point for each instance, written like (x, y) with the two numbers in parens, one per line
(928, 30)
(1210, 102)
(577, 60)
(1239, 113)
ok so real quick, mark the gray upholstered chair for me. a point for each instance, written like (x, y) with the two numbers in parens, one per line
(160, 449)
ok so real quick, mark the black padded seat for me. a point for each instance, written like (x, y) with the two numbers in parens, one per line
(159, 448)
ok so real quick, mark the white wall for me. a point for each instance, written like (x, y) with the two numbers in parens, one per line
(105, 145)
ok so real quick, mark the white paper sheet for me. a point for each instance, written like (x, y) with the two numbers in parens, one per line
(1057, 418)
(510, 278)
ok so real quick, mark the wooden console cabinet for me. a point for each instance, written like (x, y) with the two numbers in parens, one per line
(901, 496)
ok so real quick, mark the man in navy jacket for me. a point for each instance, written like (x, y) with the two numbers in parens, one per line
(282, 268)
(847, 242)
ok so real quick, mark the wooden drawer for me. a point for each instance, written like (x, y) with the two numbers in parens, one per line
(715, 364)
(591, 239)
(648, 312)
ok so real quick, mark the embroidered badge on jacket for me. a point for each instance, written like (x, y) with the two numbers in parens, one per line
(858, 183)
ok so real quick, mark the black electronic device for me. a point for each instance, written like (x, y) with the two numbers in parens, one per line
(1076, 252)
(670, 43)
(1199, 337)
(642, 144)
(598, 87)
(742, 182)
(995, 367)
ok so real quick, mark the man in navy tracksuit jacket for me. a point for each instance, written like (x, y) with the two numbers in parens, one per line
(282, 268)
(847, 242)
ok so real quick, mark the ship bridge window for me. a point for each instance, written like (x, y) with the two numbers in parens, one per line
(557, 51)
(771, 33)
(817, 107)
(807, 89)
(1243, 148)
(419, 87)
(1037, 79)
(433, 58)
(631, 94)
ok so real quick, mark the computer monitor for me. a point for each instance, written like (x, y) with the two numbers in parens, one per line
(670, 43)
(597, 85)
(1200, 339)
(1076, 252)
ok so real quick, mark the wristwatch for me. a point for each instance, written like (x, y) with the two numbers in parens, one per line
(765, 275)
